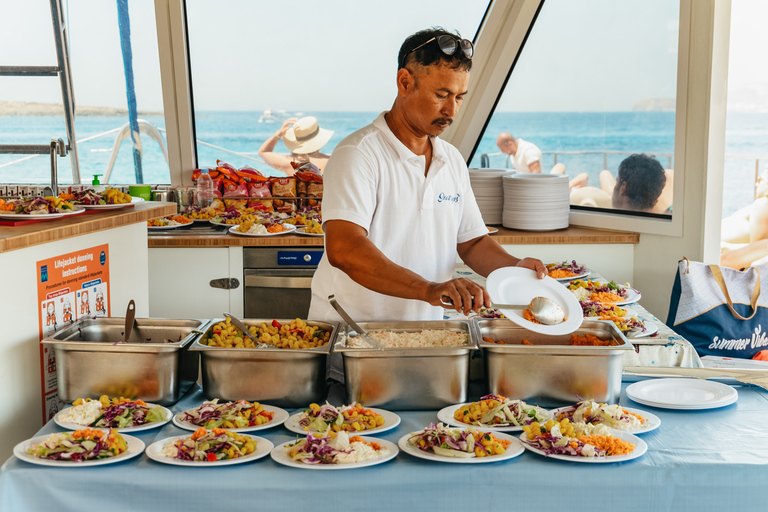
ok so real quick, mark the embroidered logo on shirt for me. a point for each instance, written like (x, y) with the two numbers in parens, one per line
(448, 198)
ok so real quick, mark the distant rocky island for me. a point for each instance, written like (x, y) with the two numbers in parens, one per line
(21, 108)
(656, 105)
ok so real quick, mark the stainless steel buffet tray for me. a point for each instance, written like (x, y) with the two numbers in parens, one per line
(281, 377)
(549, 370)
(155, 365)
(408, 378)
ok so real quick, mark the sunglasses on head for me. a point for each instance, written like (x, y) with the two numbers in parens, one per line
(448, 45)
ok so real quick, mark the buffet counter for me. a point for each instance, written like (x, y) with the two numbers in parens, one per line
(714, 459)
(41, 232)
(571, 235)
(46, 263)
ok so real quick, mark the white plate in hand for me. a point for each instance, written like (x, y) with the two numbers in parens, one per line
(517, 285)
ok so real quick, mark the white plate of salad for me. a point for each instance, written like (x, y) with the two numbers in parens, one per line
(125, 417)
(638, 327)
(506, 415)
(638, 451)
(220, 412)
(576, 270)
(327, 415)
(213, 445)
(324, 449)
(457, 445)
(582, 289)
(62, 444)
(42, 216)
(625, 419)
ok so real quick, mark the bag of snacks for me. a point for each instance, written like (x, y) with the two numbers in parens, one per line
(250, 175)
(234, 189)
(261, 196)
(310, 182)
(236, 204)
(284, 188)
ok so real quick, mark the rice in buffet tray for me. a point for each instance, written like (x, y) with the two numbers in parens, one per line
(422, 339)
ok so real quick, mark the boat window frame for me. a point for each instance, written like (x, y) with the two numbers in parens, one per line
(501, 41)
(498, 44)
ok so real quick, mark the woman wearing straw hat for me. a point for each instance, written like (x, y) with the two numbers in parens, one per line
(303, 137)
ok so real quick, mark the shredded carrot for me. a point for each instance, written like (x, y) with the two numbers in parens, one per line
(634, 414)
(528, 315)
(589, 340)
(526, 342)
(559, 273)
(605, 297)
(611, 445)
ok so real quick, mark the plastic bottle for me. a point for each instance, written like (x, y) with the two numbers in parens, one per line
(96, 184)
(204, 189)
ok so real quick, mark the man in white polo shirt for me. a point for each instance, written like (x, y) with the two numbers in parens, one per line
(398, 205)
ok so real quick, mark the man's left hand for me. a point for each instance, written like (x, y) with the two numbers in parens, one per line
(534, 264)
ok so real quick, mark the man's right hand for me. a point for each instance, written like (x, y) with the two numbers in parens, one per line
(466, 295)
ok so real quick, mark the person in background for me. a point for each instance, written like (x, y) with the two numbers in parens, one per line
(744, 234)
(639, 185)
(526, 157)
(304, 139)
(398, 204)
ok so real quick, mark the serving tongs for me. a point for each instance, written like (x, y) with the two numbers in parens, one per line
(240, 325)
(360, 331)
(545, 310)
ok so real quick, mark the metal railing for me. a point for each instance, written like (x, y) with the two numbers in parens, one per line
(486, 157)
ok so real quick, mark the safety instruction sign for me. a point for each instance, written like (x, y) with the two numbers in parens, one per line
(69, 287)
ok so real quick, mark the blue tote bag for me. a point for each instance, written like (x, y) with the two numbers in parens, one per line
(721, 311)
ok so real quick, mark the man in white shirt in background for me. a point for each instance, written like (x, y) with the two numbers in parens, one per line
(526, 157)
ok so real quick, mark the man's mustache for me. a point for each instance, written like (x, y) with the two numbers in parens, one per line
(443, 120)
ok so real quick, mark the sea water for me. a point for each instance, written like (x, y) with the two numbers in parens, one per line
(583, 141)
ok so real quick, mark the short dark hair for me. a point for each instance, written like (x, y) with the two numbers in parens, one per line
(430, 54)
(645, 179)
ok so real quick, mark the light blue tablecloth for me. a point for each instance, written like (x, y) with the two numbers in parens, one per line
(697, 460)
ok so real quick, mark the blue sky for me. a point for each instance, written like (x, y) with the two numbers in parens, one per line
(341, 54)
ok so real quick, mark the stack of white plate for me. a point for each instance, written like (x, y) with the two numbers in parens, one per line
(536, 202)
(682, 393)
(489, 194)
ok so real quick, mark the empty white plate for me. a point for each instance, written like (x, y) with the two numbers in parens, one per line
(682, 393)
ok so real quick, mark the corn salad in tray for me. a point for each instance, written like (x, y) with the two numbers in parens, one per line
(295, 335)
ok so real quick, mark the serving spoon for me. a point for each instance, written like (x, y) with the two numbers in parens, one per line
(360, 331)
(130, 316)
(544, 310)
(240, 325)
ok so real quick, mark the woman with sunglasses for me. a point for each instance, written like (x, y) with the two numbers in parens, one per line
(398, 205)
